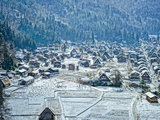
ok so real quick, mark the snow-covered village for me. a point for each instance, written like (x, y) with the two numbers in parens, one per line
(79, 59)
(84, 81)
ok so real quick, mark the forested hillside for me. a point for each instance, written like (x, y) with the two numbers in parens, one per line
(8, 41)
(49, 21)
(37, 23)
(114, 20)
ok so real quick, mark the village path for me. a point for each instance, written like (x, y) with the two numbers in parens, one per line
(99, 99)
(133, 114)
(96, 102)
(133, 110)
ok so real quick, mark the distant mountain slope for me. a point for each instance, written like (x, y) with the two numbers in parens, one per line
(47, 21)
(146, 12)
(97, 15)
(31, 19)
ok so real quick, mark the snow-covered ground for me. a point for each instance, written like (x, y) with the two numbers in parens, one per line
(71, 101)
(74, 100)
(148, 111)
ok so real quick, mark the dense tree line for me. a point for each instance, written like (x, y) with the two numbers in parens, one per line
(106, 21)
(8, 63)
(1, 101)
(19, 40)
(51, 32)
(8, 41)
(36, 21)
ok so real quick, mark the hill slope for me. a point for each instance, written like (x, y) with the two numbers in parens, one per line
(34, 21)
(47, 21)
(101, 15)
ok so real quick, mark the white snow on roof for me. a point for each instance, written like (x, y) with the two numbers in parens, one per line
(151, 95)
(22, 70)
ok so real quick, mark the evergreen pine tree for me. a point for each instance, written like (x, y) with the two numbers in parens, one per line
(7, 63)
(1, 94)
(93, 41)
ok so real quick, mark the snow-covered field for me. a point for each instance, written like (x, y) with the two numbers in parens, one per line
(148, 111)
(72, 101)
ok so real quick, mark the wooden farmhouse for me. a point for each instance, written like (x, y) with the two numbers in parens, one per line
(3, 72)
(145, 75)
(22, 72)
(26, 81)
(134, 75)
(152, 98)
(97, 62)
(5, 82)
(33, 73)
(104, 79)
(47, 114)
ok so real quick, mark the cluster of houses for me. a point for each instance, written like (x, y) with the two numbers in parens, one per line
(153, 54)
(47, 62)
(140, 69)
(21, 77)
(95, 56)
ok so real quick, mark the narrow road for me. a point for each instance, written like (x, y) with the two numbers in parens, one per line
(91, 105)
(133, 110)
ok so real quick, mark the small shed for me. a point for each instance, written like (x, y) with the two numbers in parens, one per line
(46, 75)
(10, 75)
(77, 68)
(5, 82)
(53, 71)
(57, 64)
(93, 67)
(71, 67)
(26, 81)
(152, 98)
(63, 66)
(26, 67)
(21, 72)
(3, 72)
(107, 70)
(33, 73)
